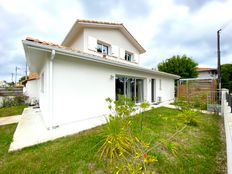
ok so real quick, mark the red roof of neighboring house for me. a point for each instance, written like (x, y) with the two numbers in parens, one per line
(205, 69)
(33, 76)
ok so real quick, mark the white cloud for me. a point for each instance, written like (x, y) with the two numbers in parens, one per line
(164, 28)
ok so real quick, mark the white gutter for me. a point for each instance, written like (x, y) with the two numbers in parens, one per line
(94, 58)
(51, 88)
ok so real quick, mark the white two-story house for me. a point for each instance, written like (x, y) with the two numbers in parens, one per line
(96, 60)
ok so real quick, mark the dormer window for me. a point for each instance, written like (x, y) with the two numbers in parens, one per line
(128, 56)
(102, 48)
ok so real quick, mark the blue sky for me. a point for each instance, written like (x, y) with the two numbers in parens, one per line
(164, 28)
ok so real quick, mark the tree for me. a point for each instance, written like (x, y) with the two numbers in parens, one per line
(180, 65)
(226, 76)
(22, 78)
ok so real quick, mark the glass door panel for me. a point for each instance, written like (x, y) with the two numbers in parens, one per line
(139, 90)
(130, 87)
(119, 86)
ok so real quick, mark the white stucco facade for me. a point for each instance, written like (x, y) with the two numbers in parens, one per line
(32, 90)
(73, 85)
(207, 75)
(80, 88)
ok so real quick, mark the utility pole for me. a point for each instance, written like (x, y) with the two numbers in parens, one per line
(12, 77)
(219, 60)
(16, 71)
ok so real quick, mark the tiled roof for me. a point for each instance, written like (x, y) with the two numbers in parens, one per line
(109, 23)
(96, 57)
(204, 69)
(98, 22)
(52, 44)
(33, 76)
(43, 42)
(69, 49)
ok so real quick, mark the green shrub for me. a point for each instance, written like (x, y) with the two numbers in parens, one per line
(13, 101)
(120, 148)
(197, 101)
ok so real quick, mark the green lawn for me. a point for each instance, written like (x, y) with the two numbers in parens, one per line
(13, 110)
(200, 149)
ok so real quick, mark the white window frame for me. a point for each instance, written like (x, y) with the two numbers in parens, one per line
(102, 44)
(127, 54)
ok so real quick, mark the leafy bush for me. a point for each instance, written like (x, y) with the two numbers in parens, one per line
(120, 148)
(13, 101)
(197, 101)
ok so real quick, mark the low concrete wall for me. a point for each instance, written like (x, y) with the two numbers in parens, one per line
(228, 130)
(17, 91)
(1, 99)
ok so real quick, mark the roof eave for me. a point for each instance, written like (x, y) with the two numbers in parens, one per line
(95, 59)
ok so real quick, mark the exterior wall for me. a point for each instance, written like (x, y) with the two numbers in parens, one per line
(80, 88)
(44, 94)
(79, 42)
(32, 90)
(206, 74)
(167, 90)
(165, 93)
(110, 36)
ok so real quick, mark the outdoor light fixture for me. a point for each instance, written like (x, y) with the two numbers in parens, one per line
(111, 77)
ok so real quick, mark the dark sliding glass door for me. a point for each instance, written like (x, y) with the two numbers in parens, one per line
(130, 87)
(152, 90)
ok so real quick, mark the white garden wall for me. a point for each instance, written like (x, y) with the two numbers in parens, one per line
(32, 89)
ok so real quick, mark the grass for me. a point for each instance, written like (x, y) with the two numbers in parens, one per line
(200, 149)
(13, 110)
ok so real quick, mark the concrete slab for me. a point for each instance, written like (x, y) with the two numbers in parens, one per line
(9, 120)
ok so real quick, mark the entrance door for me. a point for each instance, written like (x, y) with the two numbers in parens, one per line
(152, 90)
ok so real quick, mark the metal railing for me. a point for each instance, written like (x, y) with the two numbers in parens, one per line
(214, 101)
(229, 100)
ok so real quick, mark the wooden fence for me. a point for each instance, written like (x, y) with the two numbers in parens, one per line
(11, 91)
(194, 87)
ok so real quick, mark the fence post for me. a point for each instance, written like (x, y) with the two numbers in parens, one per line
(230, 102)
(221, 97)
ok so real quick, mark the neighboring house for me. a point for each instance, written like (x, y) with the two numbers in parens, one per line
(3, 84)
(31, 88)
(207, 73)
(96, 60)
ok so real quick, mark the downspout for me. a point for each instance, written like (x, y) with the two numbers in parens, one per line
(51, 88)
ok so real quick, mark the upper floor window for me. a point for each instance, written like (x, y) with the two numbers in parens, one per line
(102, 48)
(128, 56)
